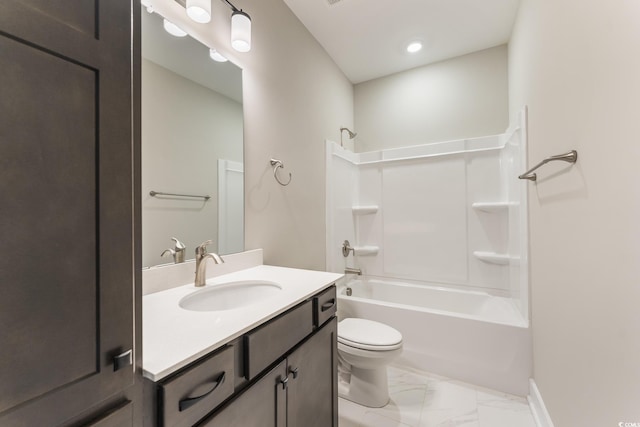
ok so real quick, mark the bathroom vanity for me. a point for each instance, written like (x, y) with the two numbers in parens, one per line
(270, 362)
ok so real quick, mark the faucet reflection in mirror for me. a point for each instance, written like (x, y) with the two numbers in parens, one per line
(177, 252)
(201, 263)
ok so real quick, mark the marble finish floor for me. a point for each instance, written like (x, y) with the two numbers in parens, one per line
(420, 399)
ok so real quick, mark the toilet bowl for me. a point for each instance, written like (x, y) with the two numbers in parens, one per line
(365, 348)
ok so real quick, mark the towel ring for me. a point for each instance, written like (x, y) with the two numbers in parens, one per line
(276, 165)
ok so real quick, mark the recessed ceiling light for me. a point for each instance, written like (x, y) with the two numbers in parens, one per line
(414, 47)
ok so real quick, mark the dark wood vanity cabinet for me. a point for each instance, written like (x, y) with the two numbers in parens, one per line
(312, 372)
(284, 374)
(69, 217)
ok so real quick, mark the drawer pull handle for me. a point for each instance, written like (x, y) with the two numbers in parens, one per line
(327, 305)
(190, 401)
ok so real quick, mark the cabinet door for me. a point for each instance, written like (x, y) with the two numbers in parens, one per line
(312, 392)
(66, 185)
(262, 405)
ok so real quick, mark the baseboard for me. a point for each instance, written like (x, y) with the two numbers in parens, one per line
(539, 411)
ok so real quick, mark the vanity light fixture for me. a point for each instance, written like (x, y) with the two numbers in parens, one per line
(173, 29)
(217, 56)
(414, 46)
(199, 10)
(240, 30)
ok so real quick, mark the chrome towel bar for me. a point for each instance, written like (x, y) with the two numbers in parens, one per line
(158, 193)
(570, 157)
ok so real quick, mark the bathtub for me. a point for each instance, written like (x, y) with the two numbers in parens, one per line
(465, 335)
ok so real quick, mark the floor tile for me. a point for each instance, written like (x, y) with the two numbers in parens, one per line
(373, 419)
(420, 399)
(350, 414)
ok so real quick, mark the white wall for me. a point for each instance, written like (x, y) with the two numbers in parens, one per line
(459, 98)
(186, 128)
(294, 97)
(576, 65)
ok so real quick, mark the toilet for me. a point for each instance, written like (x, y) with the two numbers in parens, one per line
(365, 348)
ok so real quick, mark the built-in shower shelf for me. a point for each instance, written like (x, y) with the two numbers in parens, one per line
(365, 210)
(494, 258)
(492, 206)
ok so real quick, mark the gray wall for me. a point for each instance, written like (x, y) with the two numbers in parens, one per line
(576, 65)
(458, 98)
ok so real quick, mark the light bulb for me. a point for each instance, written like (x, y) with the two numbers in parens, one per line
(241, 31)
(217, 56)
(199, 10)
(173, 29)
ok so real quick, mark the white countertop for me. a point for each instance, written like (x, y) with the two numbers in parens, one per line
(174, 337)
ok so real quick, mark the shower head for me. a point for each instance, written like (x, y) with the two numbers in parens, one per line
(351, 134)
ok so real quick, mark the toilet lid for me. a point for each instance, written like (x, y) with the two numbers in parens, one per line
(368, 334)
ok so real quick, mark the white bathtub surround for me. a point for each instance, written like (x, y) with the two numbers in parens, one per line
(452, 213)
(471, 336)
(450, 219)
(421, 399)
(538, 408)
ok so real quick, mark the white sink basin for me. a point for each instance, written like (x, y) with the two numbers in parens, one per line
(229, 296)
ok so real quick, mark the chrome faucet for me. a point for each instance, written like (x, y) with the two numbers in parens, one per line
(201, 262)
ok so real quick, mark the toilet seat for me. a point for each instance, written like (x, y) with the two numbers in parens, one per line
(368, 335)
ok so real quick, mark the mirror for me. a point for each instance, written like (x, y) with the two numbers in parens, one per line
(192, 145)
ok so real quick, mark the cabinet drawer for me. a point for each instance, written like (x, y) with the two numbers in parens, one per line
(117, 417)
(266, 344)
(189, 396)
(324, 306)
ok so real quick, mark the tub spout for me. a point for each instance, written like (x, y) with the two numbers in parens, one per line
(350, 270)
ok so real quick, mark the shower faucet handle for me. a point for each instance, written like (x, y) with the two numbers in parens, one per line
(346, 248)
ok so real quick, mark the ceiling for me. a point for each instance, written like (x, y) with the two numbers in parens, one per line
(367, 38)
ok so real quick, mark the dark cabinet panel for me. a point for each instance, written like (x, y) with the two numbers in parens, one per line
(262, 405)
(190, 395)
(48, 182)
(77, 14)
(121, 416)
(67, 216)
(268, 342)
(300, 392)
(311, 392)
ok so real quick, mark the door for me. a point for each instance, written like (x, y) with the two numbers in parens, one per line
(230, 206)
(312, 386)
(67, 214)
